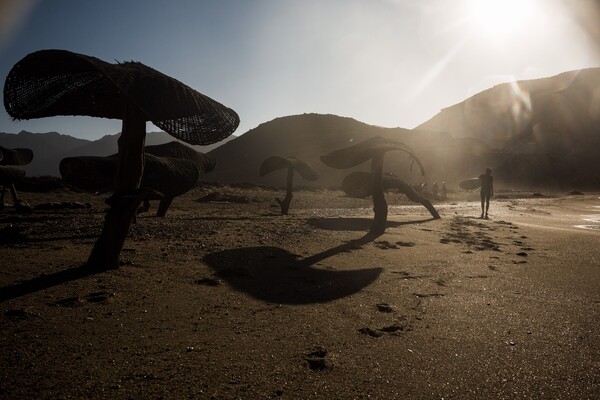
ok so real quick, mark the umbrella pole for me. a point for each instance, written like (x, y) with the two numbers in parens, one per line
(379, 204)
(285, 204)
(417, 198)
(128, 196)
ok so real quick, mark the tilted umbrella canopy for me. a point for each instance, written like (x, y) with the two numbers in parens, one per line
(48, 83)
(9, 175)
(18, 156)
(275, 163)
(359, 184)
(359, 153)
(203, 162)
(168, 175)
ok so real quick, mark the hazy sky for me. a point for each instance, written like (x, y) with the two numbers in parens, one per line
(384, 62)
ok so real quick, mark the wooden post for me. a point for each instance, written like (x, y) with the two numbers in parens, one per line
(126, 200)
(379, 204)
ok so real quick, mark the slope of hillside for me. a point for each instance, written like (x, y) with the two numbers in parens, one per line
(550, 124)
(309, 136)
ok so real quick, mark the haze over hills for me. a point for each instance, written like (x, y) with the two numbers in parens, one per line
(534, 134)
(545, 131)
(50, 148)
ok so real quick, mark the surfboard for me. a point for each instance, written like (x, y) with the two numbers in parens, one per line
(470, 184)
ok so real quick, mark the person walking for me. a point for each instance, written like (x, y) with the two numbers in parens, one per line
(487, 191)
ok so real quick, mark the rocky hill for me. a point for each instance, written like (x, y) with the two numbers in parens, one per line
(50, 148)
(534, 134)
(545, 131)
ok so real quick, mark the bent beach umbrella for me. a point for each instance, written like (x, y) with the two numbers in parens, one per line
(172, 174)
(19, 156)
(372, 149)
(292, 164)
(48, 83)
(359, 184)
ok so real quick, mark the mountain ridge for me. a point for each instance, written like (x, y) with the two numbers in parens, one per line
(535, 133)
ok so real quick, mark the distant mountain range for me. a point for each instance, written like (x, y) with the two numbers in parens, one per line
(534, 134)
(50, 148)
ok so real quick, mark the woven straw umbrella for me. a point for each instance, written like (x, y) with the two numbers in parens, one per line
(292, 164)
(170, 169)
(48, 83)
(373, 150)
(359, 184)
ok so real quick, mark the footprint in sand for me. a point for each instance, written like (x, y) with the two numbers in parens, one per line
(384, 307)
(315, 359)
(95, 297)
(392, 330)
(209, 282)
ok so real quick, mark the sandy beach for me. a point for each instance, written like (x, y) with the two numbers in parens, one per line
(228, 299)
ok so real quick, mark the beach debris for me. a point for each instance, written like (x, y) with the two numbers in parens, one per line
(77, 84)
(576, 193)
(373, 150)
(292, 165)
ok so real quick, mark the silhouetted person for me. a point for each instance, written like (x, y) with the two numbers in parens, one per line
(487, 191)
(434, 190)
(444, 191)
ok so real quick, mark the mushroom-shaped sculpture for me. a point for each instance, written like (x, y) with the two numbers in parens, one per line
(9, 176)
(47, 83)
(292, 164)
(372, 149)
(170, 175)
(359, 184)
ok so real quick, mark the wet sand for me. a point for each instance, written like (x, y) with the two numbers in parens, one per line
(231, 300)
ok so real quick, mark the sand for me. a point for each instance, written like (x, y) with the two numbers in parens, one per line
(228, 300)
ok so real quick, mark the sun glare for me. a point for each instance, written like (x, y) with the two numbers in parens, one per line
(499, 18)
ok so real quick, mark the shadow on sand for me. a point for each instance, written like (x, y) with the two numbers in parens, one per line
(44, 282)
(356, 224)
(275, 275)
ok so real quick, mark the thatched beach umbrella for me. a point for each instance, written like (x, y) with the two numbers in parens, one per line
(292, 164)
(359, 184)
(57, 82)
(170, 169)
(372, 149)
(9, 176)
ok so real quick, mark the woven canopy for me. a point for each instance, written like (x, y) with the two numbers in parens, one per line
(169, 175)
(17, 156)
(9, 175)
(275, 163)
(364, 151)
(203, 162)
(359, 184)
(48, 83)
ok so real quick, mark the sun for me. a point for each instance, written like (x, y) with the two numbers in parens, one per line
(499, 18)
